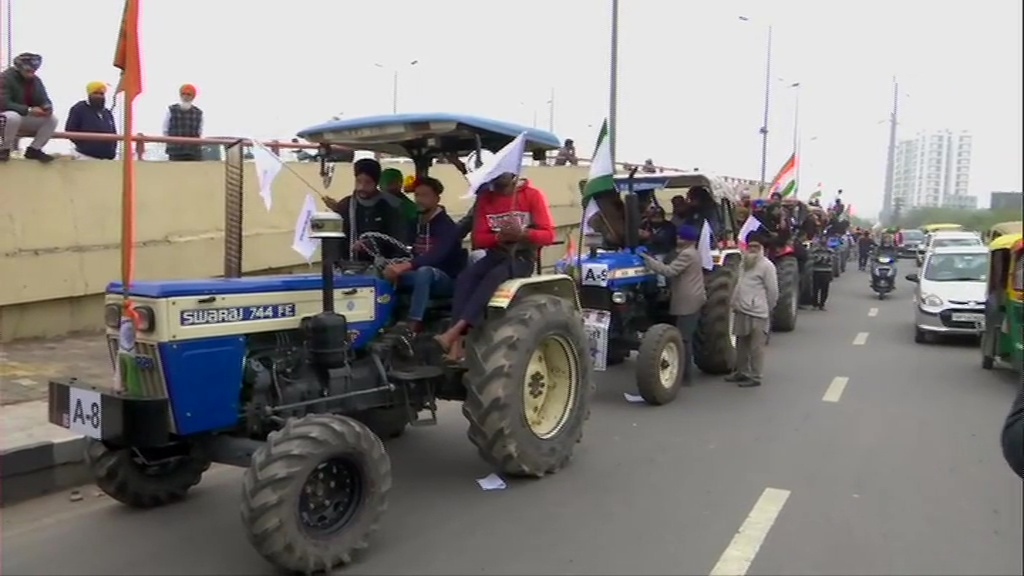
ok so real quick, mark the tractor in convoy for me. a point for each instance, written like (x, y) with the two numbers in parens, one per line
(300, 378)
(626, 305)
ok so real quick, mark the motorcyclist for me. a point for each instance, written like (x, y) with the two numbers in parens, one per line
(887, 247)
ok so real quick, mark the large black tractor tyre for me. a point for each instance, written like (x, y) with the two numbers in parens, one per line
(713, 349)
(661, 348)
(784, 315)
(836, 268)
(806, 286)
(287, 499)
(124, 475)
(508, 389)
(386, 423)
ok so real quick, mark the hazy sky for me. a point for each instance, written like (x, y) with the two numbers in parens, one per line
(691, 76)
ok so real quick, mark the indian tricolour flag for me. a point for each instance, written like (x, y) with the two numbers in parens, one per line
(785, 181)
(601, 177)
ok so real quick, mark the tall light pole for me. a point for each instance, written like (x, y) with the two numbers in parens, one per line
(890, 163)
(551, 112)
(613, 96)
(8, 31)
(767, 105)
(394, 83)
(796, 131)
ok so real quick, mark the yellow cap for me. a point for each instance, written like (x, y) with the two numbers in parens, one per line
(96, 88)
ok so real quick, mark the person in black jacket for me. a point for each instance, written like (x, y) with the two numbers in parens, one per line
(656, 233)
(25, 108)
(366, 210)
(92, 116)
(1013, 436)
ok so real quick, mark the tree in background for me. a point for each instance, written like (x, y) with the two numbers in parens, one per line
(979, 220)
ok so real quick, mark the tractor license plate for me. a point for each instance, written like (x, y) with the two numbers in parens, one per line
(85, 413)
(595, 324)
(975, 318)
(109, 416)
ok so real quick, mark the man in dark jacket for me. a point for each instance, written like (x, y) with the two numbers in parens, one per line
(92, 116)
(865, 244)
(821, 270)
(656, 233)
(367, 210)
(437, 259)
(25, 109)
(184, 120)
(1013, 436)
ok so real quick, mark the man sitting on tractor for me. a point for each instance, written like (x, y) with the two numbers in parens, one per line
(367, 210)
(511, 221)
(700, 207)
(656, 233)
(438, 255)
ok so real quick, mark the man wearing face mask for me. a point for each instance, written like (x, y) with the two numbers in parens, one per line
(92, 116)
(184, 120)
(367, 210)
(438, 256)
(757, 293)
(25, 109)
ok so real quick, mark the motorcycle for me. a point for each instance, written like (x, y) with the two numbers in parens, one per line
(883, 274)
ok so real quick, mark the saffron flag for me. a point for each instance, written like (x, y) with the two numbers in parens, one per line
(127, 59)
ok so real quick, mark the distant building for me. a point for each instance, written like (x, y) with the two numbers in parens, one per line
(1007, 201)
(933, 170)
(964, 202)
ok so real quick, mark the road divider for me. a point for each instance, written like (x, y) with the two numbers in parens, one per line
(860, 339)
(835, 389)
(736, 559)
(872, 312)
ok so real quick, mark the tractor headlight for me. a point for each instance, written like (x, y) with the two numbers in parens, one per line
(618, 297)
(931, 301)
(146, 319)
(112, 315)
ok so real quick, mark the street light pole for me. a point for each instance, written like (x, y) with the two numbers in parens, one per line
(796, 132)
(394, 84)
(8, 30)
(890, 164)
(614, 83)
(551, 112)
(767, 105)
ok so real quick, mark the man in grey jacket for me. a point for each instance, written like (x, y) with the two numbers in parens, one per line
(757, 293)
(688, 296)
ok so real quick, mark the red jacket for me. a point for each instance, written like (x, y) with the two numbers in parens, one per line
(527, 204)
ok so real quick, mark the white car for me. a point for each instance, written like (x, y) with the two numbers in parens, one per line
(950, 295)
(947, 238)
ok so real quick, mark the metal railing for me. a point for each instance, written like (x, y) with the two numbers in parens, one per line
(277, 146)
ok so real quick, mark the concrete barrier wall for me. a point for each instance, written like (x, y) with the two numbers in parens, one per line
(60, 230)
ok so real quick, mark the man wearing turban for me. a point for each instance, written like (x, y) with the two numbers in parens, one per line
(25, 109)
(368, 210)
(184, 120)
(92, 116)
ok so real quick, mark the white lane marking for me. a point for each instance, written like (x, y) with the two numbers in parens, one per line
(736, 559)
(861, 339)
(835, 389)
(872, 312)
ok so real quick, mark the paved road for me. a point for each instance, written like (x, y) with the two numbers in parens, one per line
(899, 472)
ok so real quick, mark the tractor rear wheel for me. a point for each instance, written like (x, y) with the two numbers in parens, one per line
(528, 386)
(128, 476)
(784, 315)
(315, 492)
(713, 348)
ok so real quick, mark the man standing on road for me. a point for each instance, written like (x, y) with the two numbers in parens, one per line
(757, 293)
(184, 120)
(865, 244)
(821, 272)
(25, 109)
(1013, 436)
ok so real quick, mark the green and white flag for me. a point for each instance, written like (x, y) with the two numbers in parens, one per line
(601, 177)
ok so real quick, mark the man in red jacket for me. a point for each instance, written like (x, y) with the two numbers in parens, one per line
(511, 221)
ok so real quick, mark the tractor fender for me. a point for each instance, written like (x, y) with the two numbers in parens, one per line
(725, 256)
(559, 285)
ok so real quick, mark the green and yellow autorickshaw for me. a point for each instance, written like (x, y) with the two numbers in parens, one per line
(1004, 228)
(1003, 338)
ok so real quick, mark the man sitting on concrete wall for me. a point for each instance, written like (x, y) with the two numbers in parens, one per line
(25, 109)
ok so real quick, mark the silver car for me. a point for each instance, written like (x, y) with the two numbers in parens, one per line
(950, 294)
(947, 238)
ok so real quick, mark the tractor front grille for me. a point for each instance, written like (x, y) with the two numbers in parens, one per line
(147, 359)
(596, 298)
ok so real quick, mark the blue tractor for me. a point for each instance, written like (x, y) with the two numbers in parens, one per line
(626, 305)
(299, 378)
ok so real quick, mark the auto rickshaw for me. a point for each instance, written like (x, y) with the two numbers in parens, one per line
(1003, 228)
(929, 228)
(1003, 337)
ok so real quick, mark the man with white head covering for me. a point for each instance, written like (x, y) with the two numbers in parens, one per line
(25, 108)
(757, 293)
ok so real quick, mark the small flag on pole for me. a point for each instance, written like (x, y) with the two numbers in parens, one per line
(707, 260)
(749, 227)
(508, 160)
(301, 242)
(268, 166)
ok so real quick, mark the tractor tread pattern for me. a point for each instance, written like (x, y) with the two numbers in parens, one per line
(119, 477)
(496, 362)
(713, 350)
(784, 317)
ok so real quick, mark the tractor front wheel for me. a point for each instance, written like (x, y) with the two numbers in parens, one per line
(143, 480)
(660, 364)
(528, 386)
(315, 492)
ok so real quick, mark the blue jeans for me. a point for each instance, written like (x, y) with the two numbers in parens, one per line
(425, 282)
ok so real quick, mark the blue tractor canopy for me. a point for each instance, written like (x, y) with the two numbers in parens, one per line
(423, 137)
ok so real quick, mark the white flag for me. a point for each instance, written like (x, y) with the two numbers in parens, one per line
(507, 160)
(748, 227)
(707, 261)
(302, 243)
(268, 166)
